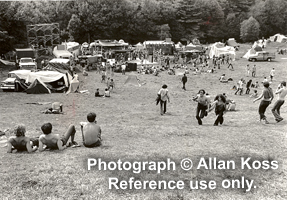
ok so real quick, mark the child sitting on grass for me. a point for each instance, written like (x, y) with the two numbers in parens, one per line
(107, 93)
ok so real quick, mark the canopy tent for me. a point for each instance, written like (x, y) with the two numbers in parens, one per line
(38, 87)
(157, 42)
(231, 42)
(278, 38)
(139, 46)
(47, 77)
(123, 42)
(108, 43)
(191, 46)
(21, 74)
(145, 62)
(218, 49)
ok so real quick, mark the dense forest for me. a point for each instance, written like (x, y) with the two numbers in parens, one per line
(139, 20)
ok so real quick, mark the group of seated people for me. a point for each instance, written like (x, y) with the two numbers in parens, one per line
(91, 134)
(150, 70)
(107, 93)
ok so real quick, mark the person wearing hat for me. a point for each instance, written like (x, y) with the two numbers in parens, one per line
(267, 95)
(164, 97)
(282, 92)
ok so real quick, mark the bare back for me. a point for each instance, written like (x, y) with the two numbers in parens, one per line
(91, 133)
(50, 140)
(282, 94)
(19, 143)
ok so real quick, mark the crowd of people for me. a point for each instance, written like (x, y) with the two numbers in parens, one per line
(91, 132)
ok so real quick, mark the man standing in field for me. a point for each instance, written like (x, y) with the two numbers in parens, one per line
(282, 92)
(253, 73)
(124, 68)
(184, 80)
(91, 131)
(248, 70)
(164, 97)
(272, 73)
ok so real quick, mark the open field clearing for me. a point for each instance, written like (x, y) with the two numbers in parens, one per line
(133, 129)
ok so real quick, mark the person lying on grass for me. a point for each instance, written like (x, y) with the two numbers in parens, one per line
(91, 131)
(20, 142)
(55, 141)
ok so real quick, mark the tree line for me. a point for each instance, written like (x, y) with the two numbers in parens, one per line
(139, 20)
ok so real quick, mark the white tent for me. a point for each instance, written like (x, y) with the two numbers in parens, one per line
(144, 62)
(139, 46)
(46, 77)
(218, 49)
(278, 38)
(22, 74)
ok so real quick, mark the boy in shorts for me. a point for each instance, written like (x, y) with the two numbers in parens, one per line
(55, 141)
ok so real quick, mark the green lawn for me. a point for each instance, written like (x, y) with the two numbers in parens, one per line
(134, 130)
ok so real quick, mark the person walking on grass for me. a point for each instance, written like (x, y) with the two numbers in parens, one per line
(230, 64)
(164, 97)
(184, 80)
(267, 95)
(248, 84)
(240, 87)
(220, 108)
(282, 92)
(253, 73)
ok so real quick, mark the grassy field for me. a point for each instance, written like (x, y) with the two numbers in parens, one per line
(133, 129)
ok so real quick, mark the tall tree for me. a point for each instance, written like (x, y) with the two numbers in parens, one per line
(249, 30)
(213, 19)
(188, 19)
(272, 16)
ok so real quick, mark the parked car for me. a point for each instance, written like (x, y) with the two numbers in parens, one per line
(262, 56)
(10, 84)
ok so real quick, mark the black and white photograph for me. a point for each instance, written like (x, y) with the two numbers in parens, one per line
(143, 99)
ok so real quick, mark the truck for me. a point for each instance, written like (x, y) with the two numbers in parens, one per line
(26, 58)
(262, 56)
(25, 53)
(27, 63)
